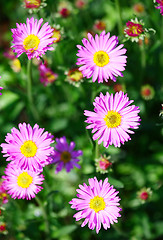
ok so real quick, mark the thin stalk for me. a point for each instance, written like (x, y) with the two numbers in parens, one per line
(143, 60)
(97, 150)
(120, 25)
(29, 90)
(45, 216)
(161, 53)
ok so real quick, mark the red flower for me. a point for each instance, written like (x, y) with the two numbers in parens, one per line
(133, 29)
(32, 3)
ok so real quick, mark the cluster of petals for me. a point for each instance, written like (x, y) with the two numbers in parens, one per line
(133, 29)
(16, 139)
(160, 6)
(119, 103)
(10, 183)
(116, 63)
(86, 193)
(65, 156)
(46, 74)
(32, 27)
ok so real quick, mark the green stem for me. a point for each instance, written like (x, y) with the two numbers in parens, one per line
(29, 90)
(45, 216)
(97, 151)
(120, 25)
(143, 61)
(161, 53)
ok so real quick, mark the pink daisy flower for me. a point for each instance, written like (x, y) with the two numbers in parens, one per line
(112, 119)
(21, 183)
(65, 156)
(47, 76)
(160, 6)
(101, 58)
(28, 148)
(32, 39)
(97, 203)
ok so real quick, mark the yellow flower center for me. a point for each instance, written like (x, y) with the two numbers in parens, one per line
(24, 180)
(34, 2)
(16, 65)
(76, 76)
(28, 149)
(31, 42)
(50, 77)
(57, 35)
(101, 58)
(134, 29)
(97, 204)
(65, 156)
(112, 119)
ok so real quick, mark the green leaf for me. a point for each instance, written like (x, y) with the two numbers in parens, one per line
(116, 183)
(63, 231)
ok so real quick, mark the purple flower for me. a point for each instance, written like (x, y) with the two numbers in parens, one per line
(21, 183)
(32, 39)
(47, 76)
(112, 119)
(97, 203)
(28, 148)
(65, 156)
(101, 58)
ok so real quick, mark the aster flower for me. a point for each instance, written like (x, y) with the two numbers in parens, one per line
(57, 35)
(99, 25)
(147, 92)
(3, 227)
(65, 156)
(32, 39)
(119, 87)
(160, 6)
(28, 148)
(32, 3)
(74, 77)
(101, 58)
(81, 3)
(20, 183)
(112, 119)
(139, 8)
(47, 76)
(97, 203)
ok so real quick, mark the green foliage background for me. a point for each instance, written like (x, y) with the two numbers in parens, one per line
(137, 164)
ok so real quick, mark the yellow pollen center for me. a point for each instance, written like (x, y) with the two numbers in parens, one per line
(76, 76)
(101, 58)
(57, 35)
(134, 29)
(97, 204)
(24, 180)
(28, 149)
(31, 42)
(35, 2)
(50, 77)
(65, 156)
(112, 119)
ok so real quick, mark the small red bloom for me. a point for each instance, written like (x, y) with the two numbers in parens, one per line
(64, 12)
(32, 3)
(144, 195)
(2, 227)
(133, 29)
(99, 25)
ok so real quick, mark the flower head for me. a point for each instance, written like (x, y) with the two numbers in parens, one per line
(101, 58)
(2, 227)
(103, 164)
(65, 156)
(97, 203)
(20, 183)
(81, 3)
(99, 25)
(147, 92)
(32, 39)
(32, 3)
(160, 6)
(144, 194)
(119, 87)
(3, 194)
(15, 65)
(64, 9)
(47, 76)
(135, 30)
(28, 148)
(74, 76)
(139, 8)
(56, 35)
(112, 119)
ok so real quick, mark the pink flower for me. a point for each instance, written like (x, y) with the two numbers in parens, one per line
(101, 58)
(97, 203)
(32, 39)
(47, 76)
(32, 3)
(133, 29)
(160, 6)
(28, 148)
(112, 119)
(21, 183)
